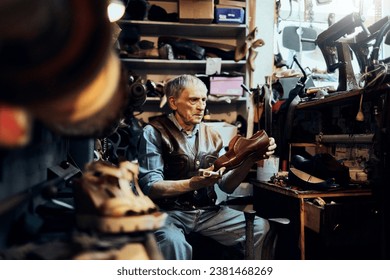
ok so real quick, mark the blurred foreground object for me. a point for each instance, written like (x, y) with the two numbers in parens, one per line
(116, 9)
(14, 126)
(58, 65)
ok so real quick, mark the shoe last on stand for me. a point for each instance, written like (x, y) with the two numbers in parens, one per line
(241, 51)
(242, 149)
(109, 199)
(253, 53)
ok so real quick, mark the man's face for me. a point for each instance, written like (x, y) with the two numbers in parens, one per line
(189, 107)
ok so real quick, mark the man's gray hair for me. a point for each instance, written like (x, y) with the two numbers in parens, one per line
(175, 86)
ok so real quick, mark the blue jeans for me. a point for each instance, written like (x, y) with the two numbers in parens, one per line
(225, 225)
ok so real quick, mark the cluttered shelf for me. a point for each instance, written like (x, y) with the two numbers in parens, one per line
(344, 96)
(151, 28)
(165, 67)
(216, 102)
(163, 64)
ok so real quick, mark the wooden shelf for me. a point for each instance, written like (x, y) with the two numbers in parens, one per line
(212, 31)
(233, 100)
(294, 144)
(346, 138)
(344, 97)
(155, 66)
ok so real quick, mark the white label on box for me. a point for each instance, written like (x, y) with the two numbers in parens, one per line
(213, 65)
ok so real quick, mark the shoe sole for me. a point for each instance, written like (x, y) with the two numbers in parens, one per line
(255, 154)
(121, 224)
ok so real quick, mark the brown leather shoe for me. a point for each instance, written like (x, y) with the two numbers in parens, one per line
(242, 149)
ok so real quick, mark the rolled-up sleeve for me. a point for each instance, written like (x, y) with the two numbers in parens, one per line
(151, 164)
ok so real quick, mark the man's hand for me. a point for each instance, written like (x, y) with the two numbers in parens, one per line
(232, 179)
(271, 147)
(207, 177)
(270, 151)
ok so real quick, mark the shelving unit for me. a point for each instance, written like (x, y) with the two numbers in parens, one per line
(229, 35)
(226, 36)
(315, 226)
(347, 137)
(338, 100)
(345, 97)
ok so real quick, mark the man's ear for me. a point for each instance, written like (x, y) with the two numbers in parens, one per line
(172, 103)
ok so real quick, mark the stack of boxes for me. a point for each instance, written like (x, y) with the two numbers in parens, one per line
(228, 11)
(209, 11)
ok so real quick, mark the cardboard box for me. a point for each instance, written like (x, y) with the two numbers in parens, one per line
(225, 14)
(196, 11)
(234, 3)
(226, 130)
(226, 86)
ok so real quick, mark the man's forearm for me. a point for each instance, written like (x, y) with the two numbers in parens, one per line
(169, 188)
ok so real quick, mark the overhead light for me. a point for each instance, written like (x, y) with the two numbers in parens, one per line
(116, 9)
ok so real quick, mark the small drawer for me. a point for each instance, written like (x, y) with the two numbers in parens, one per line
(313, 216)
(338, 214)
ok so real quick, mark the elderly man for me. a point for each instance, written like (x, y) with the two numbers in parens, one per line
(173, 150)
